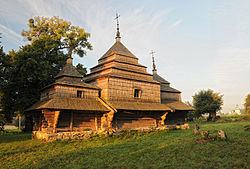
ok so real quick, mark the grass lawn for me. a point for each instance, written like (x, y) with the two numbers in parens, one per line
(164, 149)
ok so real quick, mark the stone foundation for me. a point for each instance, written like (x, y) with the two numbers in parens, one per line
(63, 135)
(86, 134)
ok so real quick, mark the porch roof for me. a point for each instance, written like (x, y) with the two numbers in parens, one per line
(139, 106)
(178, 105)
(69, 104)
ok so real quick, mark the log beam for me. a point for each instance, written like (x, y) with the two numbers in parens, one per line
(71, 120)
(57, 114)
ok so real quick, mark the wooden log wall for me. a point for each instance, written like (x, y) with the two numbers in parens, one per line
(136, 120)
(177, 117)
(123, 89)
(66, 91)
(49, 120)
(166, 97)
(79, 120)
(47, 94)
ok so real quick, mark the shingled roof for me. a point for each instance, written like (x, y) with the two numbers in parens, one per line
(165, 85)
(158, 78)
(139, 106)
(118, 48)
(69, 104)
(167, 88)
(73, 83)
(69, 70)
(178, 105)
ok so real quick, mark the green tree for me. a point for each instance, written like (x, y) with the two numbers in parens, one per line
(247, 105)
(81, 69)
(191, 115)
(206, 101)
(35, 65)
(30, 69)
(71, 37)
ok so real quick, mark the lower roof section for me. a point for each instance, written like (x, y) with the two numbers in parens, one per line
(139, 106)
(178, 105)
(69, 104)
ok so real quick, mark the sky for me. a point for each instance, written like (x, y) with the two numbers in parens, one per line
(198, 44)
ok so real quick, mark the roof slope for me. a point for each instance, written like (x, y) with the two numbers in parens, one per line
(178, 105)
(74, 84)
(69, 70)
(158, 78)
(166, 88)
(118, 48)
(139, 106)
(69, 104)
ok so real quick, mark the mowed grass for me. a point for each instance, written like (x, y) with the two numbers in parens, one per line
(163, 149)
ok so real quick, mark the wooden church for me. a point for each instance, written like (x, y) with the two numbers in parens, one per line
(117, 94)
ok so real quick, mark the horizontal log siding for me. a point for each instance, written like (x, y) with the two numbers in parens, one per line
(135, 120)
(66, 91)
(49, 117)
(81, 120)
(166, 97)
(123, 90)
(103, 84)
(48, 94)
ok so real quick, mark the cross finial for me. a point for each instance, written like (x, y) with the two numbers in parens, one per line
(153, 58)
(117, 32)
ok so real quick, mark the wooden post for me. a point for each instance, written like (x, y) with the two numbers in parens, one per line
(57, 114)
(71, 121)
(19, 122)
(96, 124)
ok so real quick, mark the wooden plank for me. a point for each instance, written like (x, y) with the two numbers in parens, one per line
(96, 124)
(71, 121)
(57, 113)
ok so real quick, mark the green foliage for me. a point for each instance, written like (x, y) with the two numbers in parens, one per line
(247, 105)
(161, 149)
(27, 71)
(2, 122)
(192, 115)
(70, 37)
(24, 73)
(206, 101)
(82, 70)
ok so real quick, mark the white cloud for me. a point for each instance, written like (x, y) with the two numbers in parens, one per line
(174, 25)
(8, 33)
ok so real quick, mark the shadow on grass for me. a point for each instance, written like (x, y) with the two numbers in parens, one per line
(8, 137)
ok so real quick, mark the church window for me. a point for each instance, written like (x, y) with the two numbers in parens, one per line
(137, 93)
(79, 94)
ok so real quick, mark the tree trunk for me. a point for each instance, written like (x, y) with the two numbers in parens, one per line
(212, 116)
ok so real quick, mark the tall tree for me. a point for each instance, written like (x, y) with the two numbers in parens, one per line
(247, 105)
(71, 37)
(206, 101)
(35, 65)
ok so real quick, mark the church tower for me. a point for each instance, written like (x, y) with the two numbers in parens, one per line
(122, 78)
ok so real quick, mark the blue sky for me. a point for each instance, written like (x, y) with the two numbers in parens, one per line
(199, 44)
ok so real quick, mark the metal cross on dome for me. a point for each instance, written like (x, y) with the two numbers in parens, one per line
(117, 32)
(152, 53)
(116, 18)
